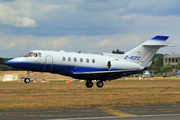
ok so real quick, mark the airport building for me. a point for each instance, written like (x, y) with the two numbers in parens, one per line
(172, 59)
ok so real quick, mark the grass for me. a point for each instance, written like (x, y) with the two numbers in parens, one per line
(18, 95)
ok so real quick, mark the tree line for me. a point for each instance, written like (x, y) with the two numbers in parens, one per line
(4, 67)
(159, 68)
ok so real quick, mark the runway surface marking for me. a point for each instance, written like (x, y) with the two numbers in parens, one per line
(115, 112)
(148, 112)
(118, 117)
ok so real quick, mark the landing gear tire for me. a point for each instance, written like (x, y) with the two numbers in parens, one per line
(26, 80)
(99, 84)
(89, 84)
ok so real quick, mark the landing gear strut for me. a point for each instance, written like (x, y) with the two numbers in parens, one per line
(27, 80)
(100, 84)
(89, 84)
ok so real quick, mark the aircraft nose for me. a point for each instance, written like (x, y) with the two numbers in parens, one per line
(14, 62)
(10, 63)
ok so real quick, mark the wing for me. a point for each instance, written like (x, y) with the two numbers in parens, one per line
(125, 72)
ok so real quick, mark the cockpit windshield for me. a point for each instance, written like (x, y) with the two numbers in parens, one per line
(31, 54)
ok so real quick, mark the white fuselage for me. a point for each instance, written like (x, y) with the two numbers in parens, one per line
(67, 63)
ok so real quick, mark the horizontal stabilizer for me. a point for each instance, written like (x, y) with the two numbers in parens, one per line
(155, 45)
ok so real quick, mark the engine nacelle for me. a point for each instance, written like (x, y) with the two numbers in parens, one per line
(122, 65)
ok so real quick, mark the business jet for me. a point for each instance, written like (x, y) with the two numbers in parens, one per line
(90, 66)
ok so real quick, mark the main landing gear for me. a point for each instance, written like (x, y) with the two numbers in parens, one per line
(27, 80)
(100, 84)
(89, 84)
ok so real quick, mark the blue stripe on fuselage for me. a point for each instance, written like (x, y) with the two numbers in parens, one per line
(26, 66)
(59, 69)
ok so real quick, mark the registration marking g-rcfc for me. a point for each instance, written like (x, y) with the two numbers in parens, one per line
(132, 57)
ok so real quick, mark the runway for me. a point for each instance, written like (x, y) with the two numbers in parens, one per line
(141, 117)
(148, 112)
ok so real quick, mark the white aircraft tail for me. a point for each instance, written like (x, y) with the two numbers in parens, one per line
(143, 53)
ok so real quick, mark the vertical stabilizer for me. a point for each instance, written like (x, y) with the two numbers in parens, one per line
(143, 53)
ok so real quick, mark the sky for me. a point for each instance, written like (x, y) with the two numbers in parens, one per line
(89, 26)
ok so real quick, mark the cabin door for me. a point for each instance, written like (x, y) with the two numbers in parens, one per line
(48, 63)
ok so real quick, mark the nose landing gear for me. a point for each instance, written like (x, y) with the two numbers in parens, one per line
(27, 80)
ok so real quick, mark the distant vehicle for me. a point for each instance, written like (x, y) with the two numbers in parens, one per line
(22, 79)
(146, 74)
(178, 73)
(91, 66)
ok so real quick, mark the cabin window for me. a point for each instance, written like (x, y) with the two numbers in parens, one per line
(69, 59)
(29, 54)
(87, 60)
(81, 60)
(93, 60)
(35, 55)
(63, 58)
(40, 55)
(75, 59)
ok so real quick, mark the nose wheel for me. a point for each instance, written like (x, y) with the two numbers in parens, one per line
(27, 80)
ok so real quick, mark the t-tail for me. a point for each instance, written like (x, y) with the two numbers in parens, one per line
(143, 53)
